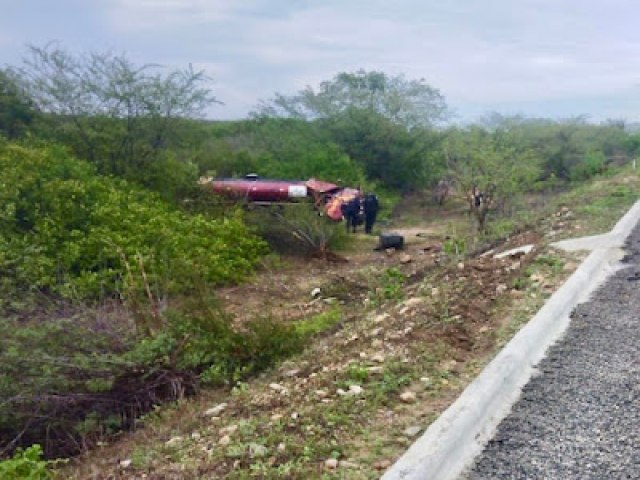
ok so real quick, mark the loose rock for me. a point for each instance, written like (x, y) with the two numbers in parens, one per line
(257, 451)
(215, 411)
(408, 397)
(331, 463)
(412, 431)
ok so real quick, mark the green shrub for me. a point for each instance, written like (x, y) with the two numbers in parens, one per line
(319, 323)
(388, 286)
(297, 229)
(454, 247)
(592, 164)
(67, 230)
(26, 464)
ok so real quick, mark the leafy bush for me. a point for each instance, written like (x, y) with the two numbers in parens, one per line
(67, 230)
(298, 229)
(26, 464)
(326, 162)
(592, 164)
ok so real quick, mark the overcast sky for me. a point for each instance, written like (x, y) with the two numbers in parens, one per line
(551, 58)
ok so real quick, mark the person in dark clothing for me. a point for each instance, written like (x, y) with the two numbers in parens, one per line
(371, 207)
(351, 212)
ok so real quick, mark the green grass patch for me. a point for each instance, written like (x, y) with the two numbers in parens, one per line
(320, 322)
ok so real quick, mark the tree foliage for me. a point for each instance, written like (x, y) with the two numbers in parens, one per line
(384, 123)
(111, 112)
(410, 103)
(16, 108)
(387, 152)
(564, 146)
(481, 164)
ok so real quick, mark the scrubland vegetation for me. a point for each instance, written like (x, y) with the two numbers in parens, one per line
(111, 255)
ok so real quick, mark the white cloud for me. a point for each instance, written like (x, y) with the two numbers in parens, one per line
(132, 15)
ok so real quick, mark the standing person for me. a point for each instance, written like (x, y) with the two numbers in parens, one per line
(371, 207)
(350, 212)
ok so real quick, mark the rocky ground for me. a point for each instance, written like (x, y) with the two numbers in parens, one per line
(578, 419)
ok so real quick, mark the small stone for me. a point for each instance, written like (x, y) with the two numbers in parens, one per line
(408, 397)
(291, 373)
(435, 291)
(375, 332)
(228, 430)
(382, 464)
(172, 442)
(331, 463)
(377, 343)
(412, 431)
(215, 411)
(195, 436)
(316, 292)
(460, 266)
(375, 370)
(295, 415)
(537, 278)
(355, 390)
(381, 318)
(281, 448)
(276, 387)
(276, 417)
(501, 288)
(321, 393)
(405, 258)
(257, 451)
(347, 464)
(389, 251)
(125, 463)
(378, 358)
(449, 365)
(224, 441)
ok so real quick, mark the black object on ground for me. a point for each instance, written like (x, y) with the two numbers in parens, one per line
(390, 240)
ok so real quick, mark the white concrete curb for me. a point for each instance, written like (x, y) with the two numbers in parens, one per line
(451, 443)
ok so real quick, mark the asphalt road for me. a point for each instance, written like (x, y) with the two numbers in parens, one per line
(579, 418)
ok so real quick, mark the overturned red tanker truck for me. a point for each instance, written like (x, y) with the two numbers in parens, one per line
(327, 197)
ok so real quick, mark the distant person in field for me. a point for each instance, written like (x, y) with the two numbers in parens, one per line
(371, 207)
(351, 212)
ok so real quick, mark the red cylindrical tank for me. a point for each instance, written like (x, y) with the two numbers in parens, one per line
(259, 190)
